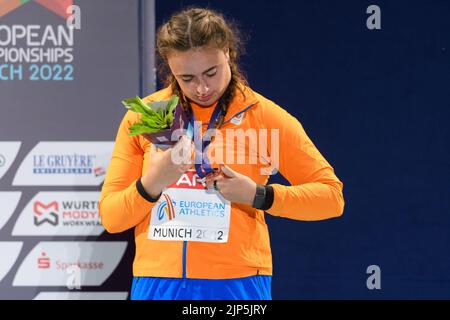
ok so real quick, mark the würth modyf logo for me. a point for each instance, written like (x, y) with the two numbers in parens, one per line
(46, 213)
(58, 7)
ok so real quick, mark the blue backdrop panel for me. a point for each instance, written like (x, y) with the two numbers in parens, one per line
(376, 104)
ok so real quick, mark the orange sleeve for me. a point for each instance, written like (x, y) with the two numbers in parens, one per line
(121, 205)
(315, 192)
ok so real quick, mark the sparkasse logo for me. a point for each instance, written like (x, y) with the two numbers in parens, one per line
(51, 263)
(43, 261)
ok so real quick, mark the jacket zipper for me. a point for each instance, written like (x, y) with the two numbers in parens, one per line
(184, 264)
(185, 242)
(260, 285)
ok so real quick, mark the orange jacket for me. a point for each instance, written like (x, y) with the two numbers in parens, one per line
(315, 194)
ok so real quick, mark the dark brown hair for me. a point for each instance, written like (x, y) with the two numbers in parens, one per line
(195, 28)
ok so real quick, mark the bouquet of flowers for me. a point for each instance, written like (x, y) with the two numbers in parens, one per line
(158, 120)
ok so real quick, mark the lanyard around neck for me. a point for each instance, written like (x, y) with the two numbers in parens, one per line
(202, 164)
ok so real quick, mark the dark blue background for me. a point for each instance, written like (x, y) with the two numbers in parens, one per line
(376, 104)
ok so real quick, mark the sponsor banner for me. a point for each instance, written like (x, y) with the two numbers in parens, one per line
(8, 204)
(65, 164)
(82, 296)
(10, 252)
(39, 51)
(8, 152)
(70, 264)
(61, 90)
(60, 214)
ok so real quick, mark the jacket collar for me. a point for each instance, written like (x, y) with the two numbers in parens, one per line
(241, 101)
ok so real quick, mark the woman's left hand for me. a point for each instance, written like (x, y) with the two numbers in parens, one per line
(234, 186)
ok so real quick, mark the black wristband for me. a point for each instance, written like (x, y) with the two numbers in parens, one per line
(264, 197)
(268, 201)
(143, 193)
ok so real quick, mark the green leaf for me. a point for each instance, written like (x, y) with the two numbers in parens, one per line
(173, 102)
(154, 116)
(137, 105)
(138, 128)
(144, 105)
(134, 106)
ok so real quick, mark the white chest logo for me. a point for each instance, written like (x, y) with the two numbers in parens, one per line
(237, 119)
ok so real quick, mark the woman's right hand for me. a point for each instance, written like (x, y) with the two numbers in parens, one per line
(166, 167)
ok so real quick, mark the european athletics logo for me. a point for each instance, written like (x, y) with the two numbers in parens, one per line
(166, 207)
(58, 7)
